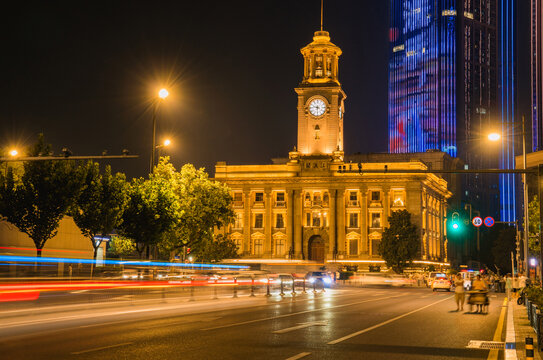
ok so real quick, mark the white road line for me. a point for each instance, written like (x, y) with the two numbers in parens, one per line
(333, 342)
(100, 348)
(296, 313)
(301, 326)
(299, 356)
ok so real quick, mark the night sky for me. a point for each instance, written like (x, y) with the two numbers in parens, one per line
(85, 74)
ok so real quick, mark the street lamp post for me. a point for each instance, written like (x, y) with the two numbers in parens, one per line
(496, 137)
(166, 143)
(162, 94)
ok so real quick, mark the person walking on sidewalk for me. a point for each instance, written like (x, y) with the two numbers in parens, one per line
(508, 286)
(459, 294)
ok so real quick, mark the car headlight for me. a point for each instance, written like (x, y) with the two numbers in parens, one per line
(311, 280)
(327, 280)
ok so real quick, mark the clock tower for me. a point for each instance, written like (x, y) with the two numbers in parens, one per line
(320, 99)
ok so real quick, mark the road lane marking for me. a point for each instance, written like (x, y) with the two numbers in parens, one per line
(333, 342)
(493, 354)
(299, 356)
(100, 348)
(296, 313)
(182, 322)
(301, 326)
(510, 341)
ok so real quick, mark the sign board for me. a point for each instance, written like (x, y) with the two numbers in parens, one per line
(477, 221)
(489, 221)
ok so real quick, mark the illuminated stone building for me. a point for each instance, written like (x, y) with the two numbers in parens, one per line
(315, 205)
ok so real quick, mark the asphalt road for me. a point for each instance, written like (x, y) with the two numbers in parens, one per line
(352, 323)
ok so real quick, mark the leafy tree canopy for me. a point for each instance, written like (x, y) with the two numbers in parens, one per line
(401, 241)
(98, 209)
(217, 249)
(46, 190)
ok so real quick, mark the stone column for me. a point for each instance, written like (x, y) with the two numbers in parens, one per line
(341, 222)
(247, 223)
(298, 212)
(332, 224)
(289, 220)
(268, 224)
(386, 206)
(364, 243)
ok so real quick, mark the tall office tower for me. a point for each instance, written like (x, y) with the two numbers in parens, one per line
(443, 89)
(537, 75)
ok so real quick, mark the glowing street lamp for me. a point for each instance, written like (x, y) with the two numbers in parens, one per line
(13, 152)
(494, 137)
(166, 143)
(162, 94)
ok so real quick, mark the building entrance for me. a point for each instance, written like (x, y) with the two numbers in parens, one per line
(316, 248)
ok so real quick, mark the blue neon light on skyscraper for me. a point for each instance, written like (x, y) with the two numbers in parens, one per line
(507, 94)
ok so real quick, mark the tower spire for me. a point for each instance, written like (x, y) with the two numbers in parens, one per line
(322, 12)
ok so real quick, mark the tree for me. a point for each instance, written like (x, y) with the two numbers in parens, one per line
(121, 246)
(152, 210)
(204, 205)
(42, 197)
(533, 216)
(99, 207)
(214, 250)
(401, 241)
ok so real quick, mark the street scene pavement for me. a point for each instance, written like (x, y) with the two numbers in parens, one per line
(340, 323)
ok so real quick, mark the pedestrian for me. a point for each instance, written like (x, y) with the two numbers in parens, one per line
(459, 293)
(508, 286)
(480, 286)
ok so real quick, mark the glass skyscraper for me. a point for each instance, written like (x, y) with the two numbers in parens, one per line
(444, 91)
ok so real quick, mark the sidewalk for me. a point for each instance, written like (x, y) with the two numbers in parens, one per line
(523, 329)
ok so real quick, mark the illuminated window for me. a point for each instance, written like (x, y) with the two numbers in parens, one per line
(238, 222)
(316, 219)
(280, 247)
(353, 220)
(258, 246)
(308, 219)
(259, 221)
(324, 220)
(353, 196)
(259, 197)
(279, 221)
(375, 196)
(375, 220)
(448, 13)
(399, 198)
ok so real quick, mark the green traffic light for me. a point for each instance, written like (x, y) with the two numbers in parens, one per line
(455, 226)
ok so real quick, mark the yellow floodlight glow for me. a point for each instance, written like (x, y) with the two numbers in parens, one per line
(163, 93)
(167, 142)
(494, 137)
(13, 152)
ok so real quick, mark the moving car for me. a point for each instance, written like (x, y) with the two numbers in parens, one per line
(319, 278)
(441, 283)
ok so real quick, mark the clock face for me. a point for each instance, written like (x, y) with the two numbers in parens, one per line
(317, 107)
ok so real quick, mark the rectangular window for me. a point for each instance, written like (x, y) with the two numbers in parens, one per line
(279, 221)
(259, 221)
(280, 196)
(238, 223)
(308, 219)
(398, 198)
(375, 247)
(259, 197)
(375, 220)
(353, 196)
(353, 247)
(324, 220)
(353, 220)
(316, 219)
(258, 246)
(238, 196)
(280, 247)
(375, 196)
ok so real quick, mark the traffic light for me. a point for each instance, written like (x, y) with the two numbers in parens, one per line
(456, 223)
